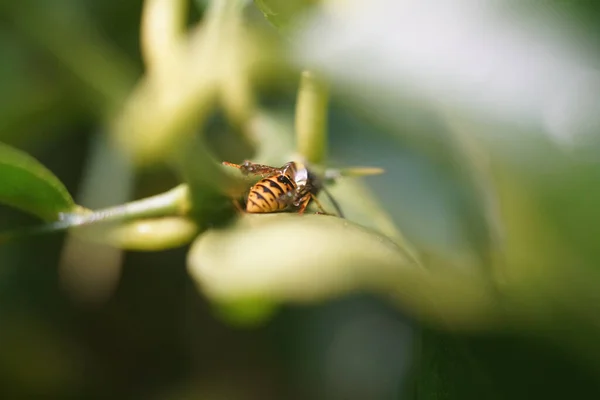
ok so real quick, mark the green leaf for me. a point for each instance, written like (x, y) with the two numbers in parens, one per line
(290, 258)
(153, 234)
(359, 205)
(29, 186)
(287, 257)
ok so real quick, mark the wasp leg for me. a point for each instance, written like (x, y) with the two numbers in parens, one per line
(319, 205)
(334, 202)
(294, 199)
(300, 198)
(303, 205)
(249, 168)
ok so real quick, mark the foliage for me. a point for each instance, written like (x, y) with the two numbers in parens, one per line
(498, 202)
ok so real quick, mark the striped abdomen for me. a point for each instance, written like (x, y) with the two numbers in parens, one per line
(266, 195)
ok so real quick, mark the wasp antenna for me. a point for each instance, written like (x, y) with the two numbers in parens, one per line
(231, 165)
(358, 172)
(363, 171)
(334, 202)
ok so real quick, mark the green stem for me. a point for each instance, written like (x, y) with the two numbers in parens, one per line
(311, 118)
(161, 114)
(219, 11)
(174, 202)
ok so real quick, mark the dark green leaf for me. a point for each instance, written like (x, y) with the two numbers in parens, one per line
(29, 186)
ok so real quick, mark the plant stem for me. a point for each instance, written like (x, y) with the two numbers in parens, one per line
(173, 202)
(311, 118)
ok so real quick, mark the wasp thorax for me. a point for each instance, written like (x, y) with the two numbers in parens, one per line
(248, 167)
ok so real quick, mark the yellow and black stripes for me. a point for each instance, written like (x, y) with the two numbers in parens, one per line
(268, 194)
(288, 187)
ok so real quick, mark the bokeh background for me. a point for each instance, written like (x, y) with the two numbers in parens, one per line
(140, 328)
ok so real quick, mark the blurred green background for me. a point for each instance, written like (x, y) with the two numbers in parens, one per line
(150, 334)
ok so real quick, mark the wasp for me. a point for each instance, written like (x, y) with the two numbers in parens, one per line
(290, 187)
